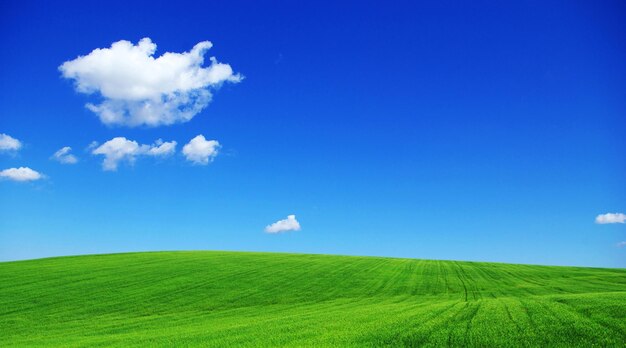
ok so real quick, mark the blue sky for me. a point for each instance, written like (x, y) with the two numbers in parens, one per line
(485, 131)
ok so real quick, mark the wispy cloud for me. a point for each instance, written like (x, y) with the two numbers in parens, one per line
(64, 156)
(611, 218)
(139, 89)
(8, 143)
(285, 225)
(120, 149)
(621, 244)
(21, 174)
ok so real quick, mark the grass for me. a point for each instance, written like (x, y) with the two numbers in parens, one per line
(267, 299)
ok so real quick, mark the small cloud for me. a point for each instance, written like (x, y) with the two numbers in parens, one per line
(21, 174)
(116, 150)
(121, 149)
(138, 88)
(611, 218)
(92, 146)
(621, 244)
(64, 156)
(285, 225)
(162, 149)
(8, 143)
(201, 151)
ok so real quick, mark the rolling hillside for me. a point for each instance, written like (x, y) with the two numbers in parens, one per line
(267, 299)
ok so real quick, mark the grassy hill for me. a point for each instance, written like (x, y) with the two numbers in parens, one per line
(267, 299)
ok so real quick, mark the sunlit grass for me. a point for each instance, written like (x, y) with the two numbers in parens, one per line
(267, 299)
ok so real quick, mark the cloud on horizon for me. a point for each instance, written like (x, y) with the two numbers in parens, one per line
(120, 149)
(64, 156)
(201, 151)
(8, 143)
(611, 218)
(285, 225)
(139, 89)
(21, 174)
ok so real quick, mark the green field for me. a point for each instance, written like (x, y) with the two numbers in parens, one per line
(270, 299)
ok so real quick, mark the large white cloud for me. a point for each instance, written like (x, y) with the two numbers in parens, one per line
(64, 156)
(139, 89)
(285, 225)
(121, 149)
(21, 174)
(8, 143)
(201, 151)
(611, 218)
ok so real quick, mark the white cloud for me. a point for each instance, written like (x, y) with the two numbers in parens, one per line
(139, 89)
(8, 143)
(64, 156)
(285, 225)
(621, 244)
(121, 149)
(116, 150)
(201, 151)
(21, 174)
(92, 146)
(161, 148)
(611, 218)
